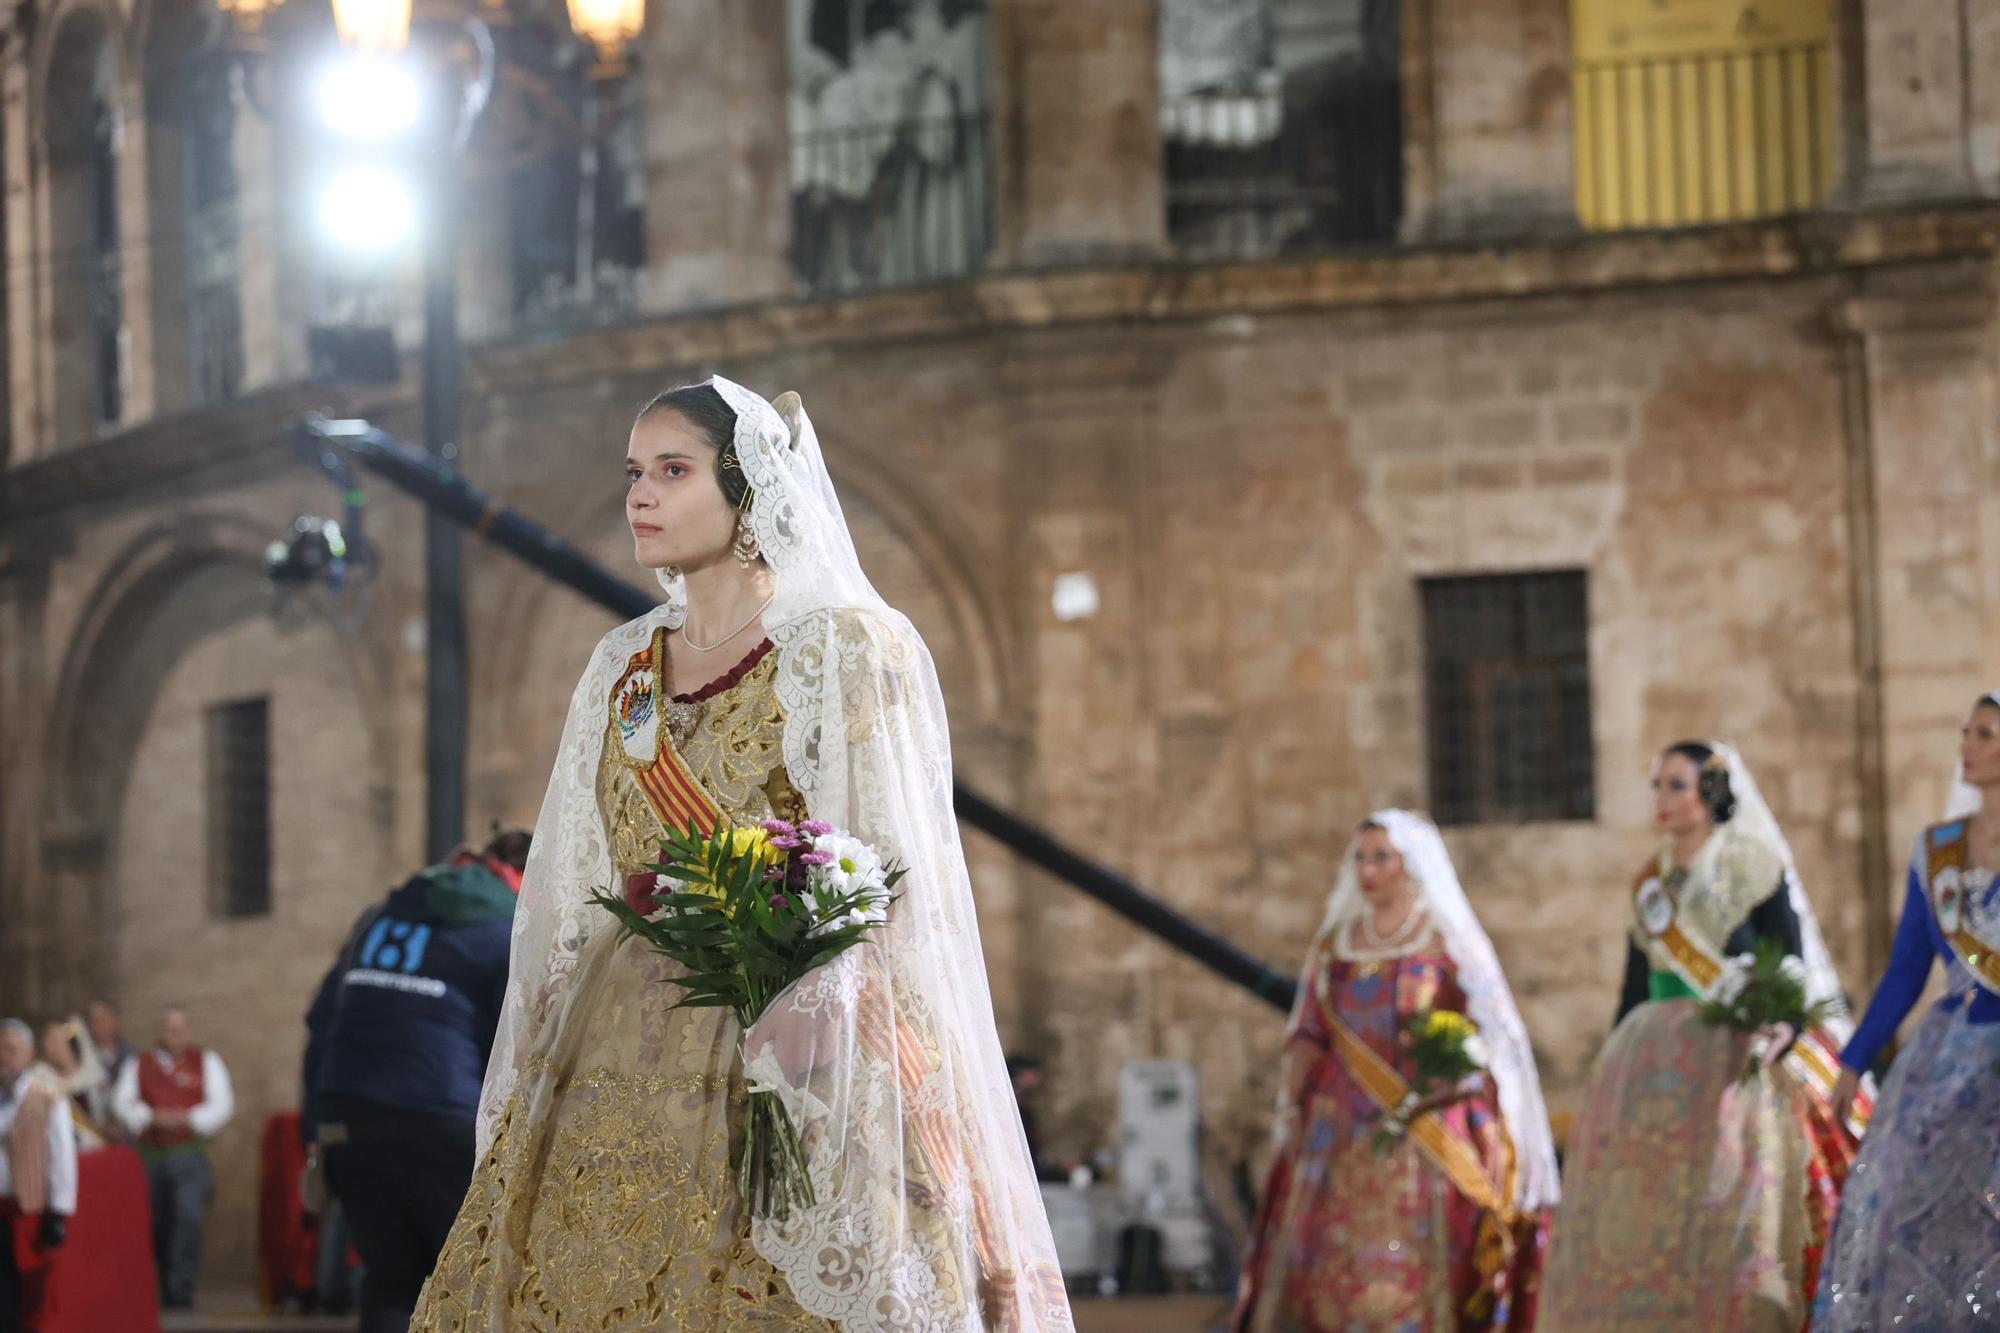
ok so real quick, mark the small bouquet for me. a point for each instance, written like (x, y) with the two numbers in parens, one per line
(1445, 1048)
(1764, 994)
(749, 911)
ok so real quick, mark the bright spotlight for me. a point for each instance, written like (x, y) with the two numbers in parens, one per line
(369, 97)
(367, 208)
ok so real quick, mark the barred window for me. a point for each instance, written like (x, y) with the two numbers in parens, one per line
(1507, 675)
(1283, 131)
(239, 804)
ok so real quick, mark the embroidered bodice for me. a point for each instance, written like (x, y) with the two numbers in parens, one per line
(734, 750)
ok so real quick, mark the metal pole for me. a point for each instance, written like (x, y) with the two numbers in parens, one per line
(446, 708)
(448, 496)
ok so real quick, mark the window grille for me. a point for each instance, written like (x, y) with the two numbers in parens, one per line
(1507, 674)
(239, 802)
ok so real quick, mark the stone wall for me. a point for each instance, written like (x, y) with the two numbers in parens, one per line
(1255, 497)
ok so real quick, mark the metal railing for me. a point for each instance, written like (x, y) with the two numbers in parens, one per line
(1708, 137)
(894, 205)
(1330, 175)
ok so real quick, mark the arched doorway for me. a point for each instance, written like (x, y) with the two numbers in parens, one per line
(177, 646)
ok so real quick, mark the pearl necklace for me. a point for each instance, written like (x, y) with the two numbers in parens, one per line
(1403, 932)
(1366, 944)
(688, 639)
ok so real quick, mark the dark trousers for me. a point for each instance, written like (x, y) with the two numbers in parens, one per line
(182, 1185)
(400, 1178)
(13, 1292)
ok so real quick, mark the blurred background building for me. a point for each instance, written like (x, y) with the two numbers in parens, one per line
(1267, 409)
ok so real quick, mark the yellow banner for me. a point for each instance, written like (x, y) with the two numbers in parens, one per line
(1657, 29)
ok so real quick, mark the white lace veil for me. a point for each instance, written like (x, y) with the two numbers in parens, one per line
(1488, 999)
(1753, 818)
(1965, 798)
(928, 1215)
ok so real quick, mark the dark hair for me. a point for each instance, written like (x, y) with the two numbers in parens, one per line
(509, 845)
(1369, 825)
(702, 407)
(1713, 783)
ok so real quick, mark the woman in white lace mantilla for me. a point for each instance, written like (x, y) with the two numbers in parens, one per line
(1696, 1198)
(774, 682)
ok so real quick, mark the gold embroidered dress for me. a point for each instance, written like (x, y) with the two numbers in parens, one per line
(606, 1201)
(1694, 1200)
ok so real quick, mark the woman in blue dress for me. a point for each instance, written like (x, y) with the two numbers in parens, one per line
(1916, 1244)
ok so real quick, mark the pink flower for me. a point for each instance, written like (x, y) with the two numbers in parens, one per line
(815, 828)
(778, 828)
(779, 902)
(816, 858)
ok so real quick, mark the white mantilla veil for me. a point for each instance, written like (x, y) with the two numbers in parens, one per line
(1965, 799)
(1753, 817)
(927, 1213)
(1489, 1001)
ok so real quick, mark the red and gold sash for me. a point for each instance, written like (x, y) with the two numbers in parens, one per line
(1947, 851)
(679, 801)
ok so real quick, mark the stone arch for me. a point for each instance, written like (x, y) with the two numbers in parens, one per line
(172, 588)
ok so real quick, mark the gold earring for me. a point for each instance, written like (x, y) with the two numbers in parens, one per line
(747, 547)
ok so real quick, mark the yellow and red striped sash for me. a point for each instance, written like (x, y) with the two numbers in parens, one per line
(681, 804)
(669, 787)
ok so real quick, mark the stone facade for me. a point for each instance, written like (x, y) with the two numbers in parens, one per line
(1771, 447)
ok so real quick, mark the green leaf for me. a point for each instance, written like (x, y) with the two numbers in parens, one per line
(705, 1002)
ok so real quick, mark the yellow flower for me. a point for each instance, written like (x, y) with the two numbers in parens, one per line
(1445, 1025)
(744, 841)
(737, 842)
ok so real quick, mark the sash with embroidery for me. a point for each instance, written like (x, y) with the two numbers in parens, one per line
(1965, 911)
(1455, 1157)
(1387, 1088)
(1814, 1059)
(637, 703)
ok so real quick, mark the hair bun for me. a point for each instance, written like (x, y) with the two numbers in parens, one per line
(792, 410)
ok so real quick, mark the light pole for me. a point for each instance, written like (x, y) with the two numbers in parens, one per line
(448, 78)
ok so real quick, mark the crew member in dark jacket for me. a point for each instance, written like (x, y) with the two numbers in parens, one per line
(396, 1049)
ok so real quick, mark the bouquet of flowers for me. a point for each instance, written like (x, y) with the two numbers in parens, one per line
(749, 911)
(1445, 1049)
(1764, 994)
